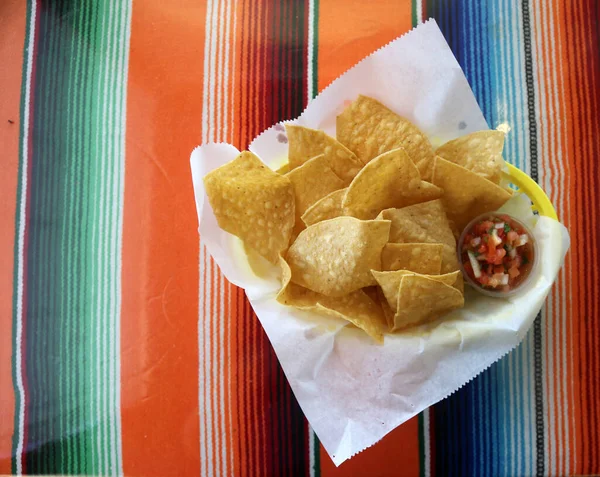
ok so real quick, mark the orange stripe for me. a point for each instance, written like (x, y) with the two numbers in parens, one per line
(371, 29)
(570, 126)
(570, 211)
(398, 450)
(11, 52)
(159, 339)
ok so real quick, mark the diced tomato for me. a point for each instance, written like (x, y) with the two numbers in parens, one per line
(500, 254)
(501, 233)
(482, 248)
(483, 227)
(483, 279)
(499, 269)
(491, 253)
(513, 272)
(512, 237)
(468, 238)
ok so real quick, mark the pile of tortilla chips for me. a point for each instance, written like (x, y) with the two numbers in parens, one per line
(364, 225)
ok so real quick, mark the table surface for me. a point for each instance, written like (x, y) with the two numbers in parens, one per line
(122, 348)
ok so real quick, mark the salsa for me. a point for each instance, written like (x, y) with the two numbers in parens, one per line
(497, 253)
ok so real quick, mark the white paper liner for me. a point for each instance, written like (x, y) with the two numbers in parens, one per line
(353, 391)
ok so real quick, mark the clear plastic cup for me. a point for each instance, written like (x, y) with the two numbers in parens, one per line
(528, 271)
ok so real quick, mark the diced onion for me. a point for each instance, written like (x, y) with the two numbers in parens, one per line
(476, 241)
(497, 240)
(499, 225)
(512, 253)
(523, 239)
(474, 264)
(504, 279)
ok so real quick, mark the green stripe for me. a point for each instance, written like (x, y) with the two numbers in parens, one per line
(317, 453)
(413, 12)
(74, 241)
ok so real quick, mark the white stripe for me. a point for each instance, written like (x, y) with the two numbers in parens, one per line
(124, 70)
(426, 442)
(207, 42)
(219, 72)
(419, 8)
(217, 343)
(226, 74)
(212, 127)
(208, 364)
(201, 372)
(310, 49)
(21, 243)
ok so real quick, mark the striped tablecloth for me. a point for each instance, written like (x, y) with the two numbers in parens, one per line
(122, 348)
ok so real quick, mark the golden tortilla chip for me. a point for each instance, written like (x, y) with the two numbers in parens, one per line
(283, 169)
(312, 181)
(480, 152)
(328, 207)
(305, 143)
(449, 259)
(253, 202)
(423, 258)
(422, 299)
(390, 283)
(369, 129)
(466, 194)
(356, 307)
(390, 180)
(335, 257)
(388, 313)
(420, 223)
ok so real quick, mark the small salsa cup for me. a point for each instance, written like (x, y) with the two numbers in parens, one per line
(497, 254)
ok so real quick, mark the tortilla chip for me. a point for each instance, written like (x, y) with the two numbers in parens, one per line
(388, 313)
(356, 307)
(335, 257)
(328, 207)
(420, 223)
(305, 143)
(283, 169)
(466, 194)
(449, 259)
(253, 202)
(312, 181)
(480, 152)
(390, 283)
(422, 299)
(390, 180)
(423, 258)
(369, 129)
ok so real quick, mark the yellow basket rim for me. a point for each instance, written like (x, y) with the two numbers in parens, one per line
(536, 194)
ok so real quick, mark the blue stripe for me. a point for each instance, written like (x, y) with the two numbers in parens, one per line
(474, 432)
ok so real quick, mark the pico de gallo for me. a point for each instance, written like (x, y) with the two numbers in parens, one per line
(497, 253)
